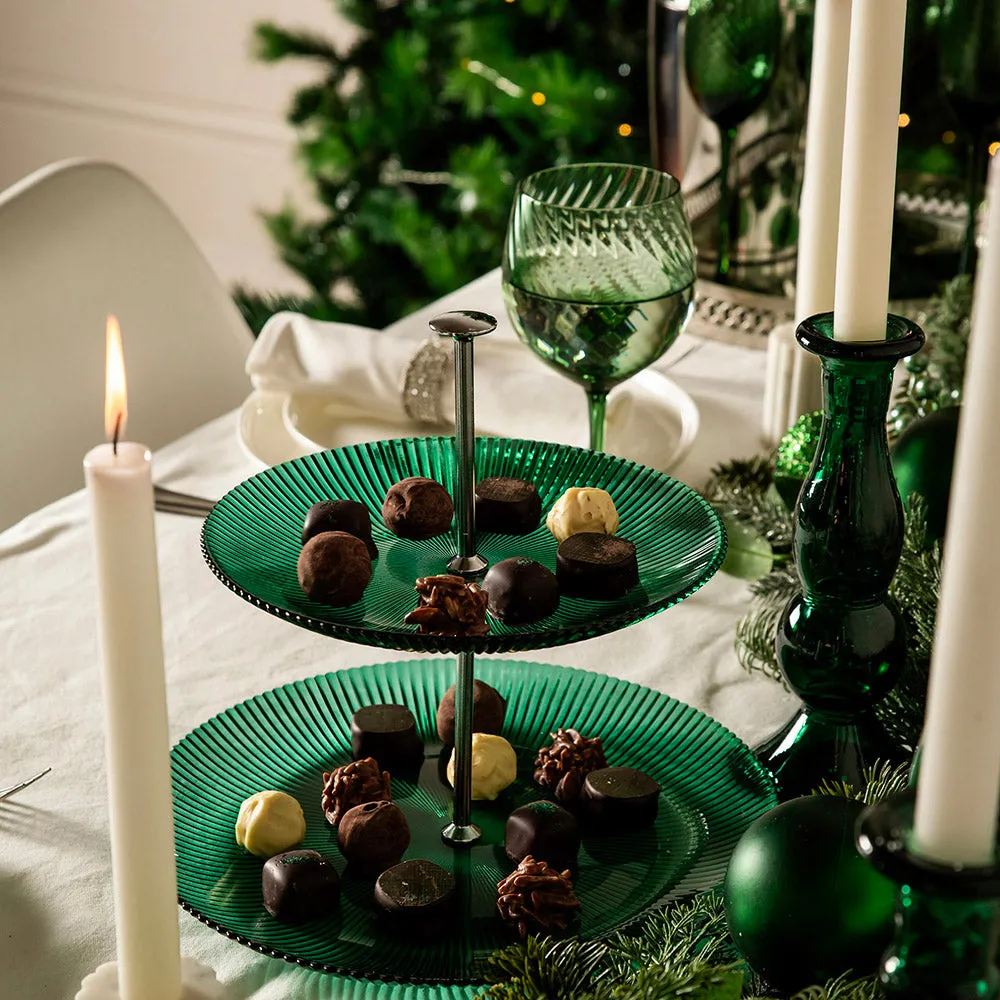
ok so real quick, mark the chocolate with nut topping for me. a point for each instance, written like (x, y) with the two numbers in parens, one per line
(563, 766)
(536, 899)
(449, 606)
(353, 784)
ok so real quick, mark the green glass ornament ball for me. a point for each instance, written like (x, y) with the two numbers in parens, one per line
(922, 460)
(802, 905)
(797, 447)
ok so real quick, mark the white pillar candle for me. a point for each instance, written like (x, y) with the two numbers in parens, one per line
(959, 783)
(140, 802)
(867, 194)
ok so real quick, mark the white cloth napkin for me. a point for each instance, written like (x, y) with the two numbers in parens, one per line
(517, 395)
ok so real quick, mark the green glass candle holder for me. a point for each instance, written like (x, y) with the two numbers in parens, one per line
(946, 916)
(841, 641)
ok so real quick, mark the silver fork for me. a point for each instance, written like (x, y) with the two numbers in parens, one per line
(172, 502)
(6, 793)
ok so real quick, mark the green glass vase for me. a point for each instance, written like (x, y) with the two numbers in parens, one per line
(946, 916)
(841, 641)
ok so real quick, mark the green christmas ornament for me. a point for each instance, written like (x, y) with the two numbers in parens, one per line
(802, 905)
(922, 460)
(794, 455)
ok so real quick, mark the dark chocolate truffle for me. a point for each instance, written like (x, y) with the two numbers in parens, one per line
(340, 515)
(599, 567)
(351, 785)
(507, 506)
(520, 591)
(536, 898)
(299, 886)
(545, 831)
(488, 710)
(620, 798)
(386, 732)
(417, 508)
(418, 894)
(334, 568)
(373, 836)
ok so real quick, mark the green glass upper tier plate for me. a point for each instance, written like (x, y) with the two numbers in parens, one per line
(252, 539)
(713, 788)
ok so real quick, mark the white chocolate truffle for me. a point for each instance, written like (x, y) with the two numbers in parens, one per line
(494, 765)
(582, 508)
(269, 823)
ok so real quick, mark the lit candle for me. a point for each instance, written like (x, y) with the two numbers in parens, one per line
(819, 206)
(868, 190)
(959, 782)
(140, 803)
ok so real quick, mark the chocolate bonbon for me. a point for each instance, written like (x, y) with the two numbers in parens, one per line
(521, 591)
(507, 506)
(544, 831)
(353, 784)
(417, 895)
(562, 765)
(334, 568)
(598, 567)
(417, 508)
(348, 516)
(386, 732)
(270, 822)
(582, 509)
(488, 709)
(494, 765)
(620, 798)
(373, 836)
(299, 886)
(448, 605)
(536, 898)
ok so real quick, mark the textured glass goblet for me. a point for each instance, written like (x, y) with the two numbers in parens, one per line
(730, 54)
(598, 272)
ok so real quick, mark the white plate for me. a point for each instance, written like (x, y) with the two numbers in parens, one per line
(654, 422)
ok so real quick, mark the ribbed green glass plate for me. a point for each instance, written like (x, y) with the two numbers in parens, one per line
(713, 788)
(252, 539)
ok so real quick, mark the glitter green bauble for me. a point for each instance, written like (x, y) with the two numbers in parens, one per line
(794, 456)
(802, 905)
(922, 460)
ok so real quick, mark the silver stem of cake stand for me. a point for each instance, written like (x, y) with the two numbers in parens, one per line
(463, 327)
(462, 830)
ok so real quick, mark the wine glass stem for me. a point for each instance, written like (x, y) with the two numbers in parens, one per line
(597, 406)
(726, 204)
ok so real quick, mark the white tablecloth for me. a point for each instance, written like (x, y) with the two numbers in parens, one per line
(56, 920)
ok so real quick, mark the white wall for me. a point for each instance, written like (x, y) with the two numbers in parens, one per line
(168, 89)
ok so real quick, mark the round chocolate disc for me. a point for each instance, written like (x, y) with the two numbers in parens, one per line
(621, 798)
(386, 732)
(598, 567)
(507, 506)
(415, 888)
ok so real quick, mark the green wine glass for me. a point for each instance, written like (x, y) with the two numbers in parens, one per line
(730, 56)
(598, 273)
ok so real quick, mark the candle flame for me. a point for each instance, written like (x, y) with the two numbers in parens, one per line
(115, 396)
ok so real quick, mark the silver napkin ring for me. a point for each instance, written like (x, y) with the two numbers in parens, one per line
(424, 380)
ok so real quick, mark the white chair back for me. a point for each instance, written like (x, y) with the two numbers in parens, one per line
(79, 240)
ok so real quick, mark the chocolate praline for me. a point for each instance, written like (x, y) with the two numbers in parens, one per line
(373, 836)
(488, 710)
(507, 506)
(598, 567)
(386, 732)
(417, 896)
(334, 568)
(620, 798)
(417, 508)
(520, 591)
(299, 886)
(340, 515)
(545, 831)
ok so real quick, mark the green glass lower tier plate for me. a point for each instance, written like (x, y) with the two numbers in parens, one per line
(252, 539)
(713, 788)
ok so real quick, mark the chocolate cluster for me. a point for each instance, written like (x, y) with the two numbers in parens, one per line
(449, 606)
(536, 899)
(565, 763)
(352, 785)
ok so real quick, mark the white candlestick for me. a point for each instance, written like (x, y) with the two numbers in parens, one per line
(959, 783)
(140, 801)
(871, 127)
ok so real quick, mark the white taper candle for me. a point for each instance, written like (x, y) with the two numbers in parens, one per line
(867, 195)
(959, 782)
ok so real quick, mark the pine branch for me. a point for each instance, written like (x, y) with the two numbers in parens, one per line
(881, 781)
(742, 489)
(273, 43)
(546, 968)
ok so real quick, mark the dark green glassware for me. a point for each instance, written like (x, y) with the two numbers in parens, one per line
(946, 916)
(841, 640)
(730, 55)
